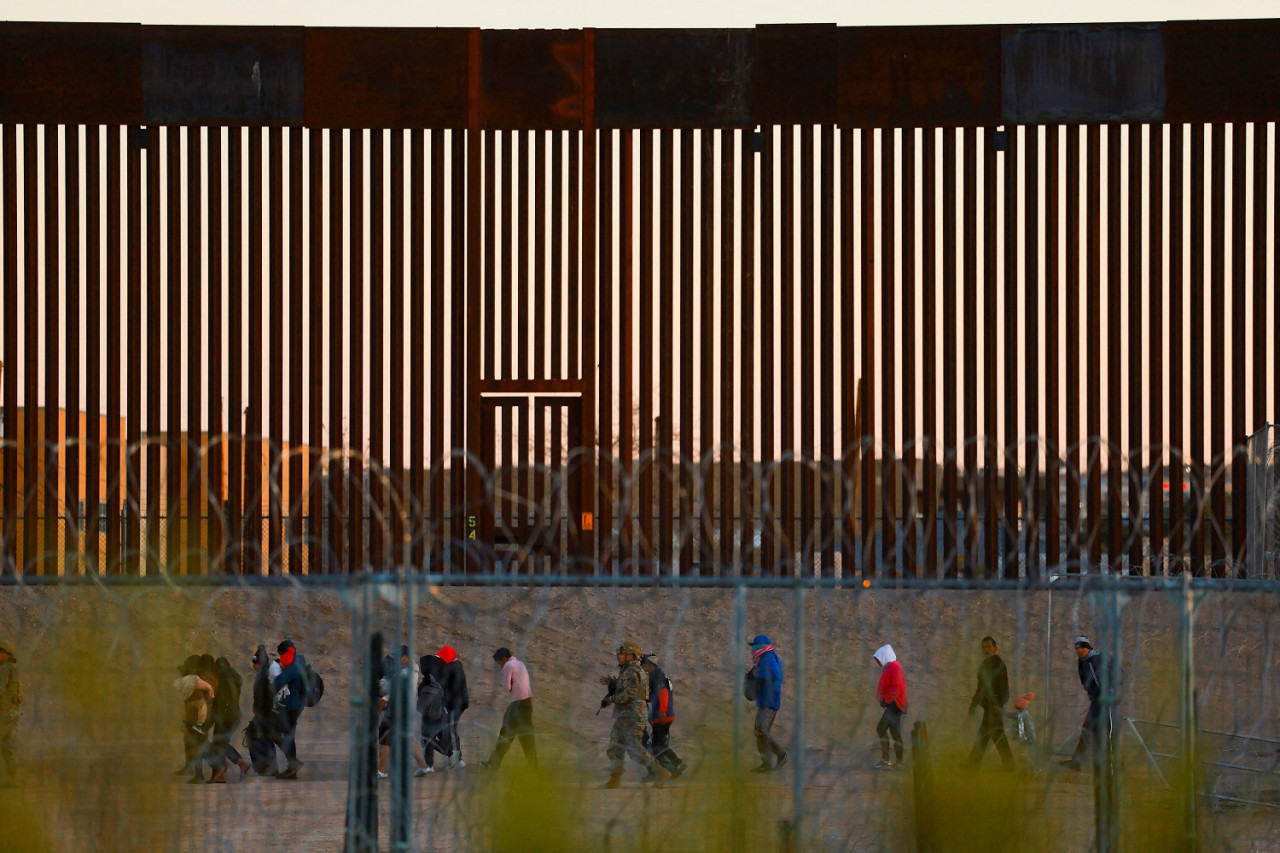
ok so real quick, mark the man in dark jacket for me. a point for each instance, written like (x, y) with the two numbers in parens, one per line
(264, 729)
(456, 700)
(291, 685)
(662, 713)
(767, 668)
(225, 719)
(1097, 728)
(434, 714)
(991, 696)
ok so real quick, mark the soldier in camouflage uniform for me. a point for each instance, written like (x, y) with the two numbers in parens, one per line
(629, 695)
(10, 713)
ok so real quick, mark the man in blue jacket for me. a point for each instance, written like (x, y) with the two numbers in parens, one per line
(291, 693)
(767, 668)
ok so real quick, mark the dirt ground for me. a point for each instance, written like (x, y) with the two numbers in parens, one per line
(100, 739)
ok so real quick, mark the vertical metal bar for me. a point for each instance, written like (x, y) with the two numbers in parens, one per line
(518, 311)
(399, 505)
(51, 369)
(769, 410)
(500, 279)
(868, 372)
(626, 345)
(706, 295)
(1071, 354)
(666, 384)
(235, 348)
(929, 350)
(1197, 297)
(335, 490)
(1093, 376)
(1258, 282)
(950, 357)
(586, 369)
(747, 396)
(1156, 333)
(378, 508)
(356, 556)
(10, 554)
(787, 348)
(645, 348)
(807, 287)
(990, 504)
(151, 544)
(604, 285)
(414, 489)
(888, 402)
(196, 443)
(71, 444)
(827, 344)
(557, 256)
(116, 293)
(1181, 453)
(911, 450)
(471, 302)
(1135, 445)
(688, 353)
(1115, 406)
(464, 183)
(32, 484)
(1031, 345)
(254, 324)
(729, 274)
(574, 199)
(275, 329)
(1237, 439)
(317, 557)
(174, 443)
(297, 311)
(215, 537)
(1051, 447)
(432, 505)
(1216, 454)
(540, 282)
(1009, 530)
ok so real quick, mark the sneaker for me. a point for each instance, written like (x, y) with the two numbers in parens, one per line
(679, 771)
(883, 764)
(423, 771)
(782, 759)
(897, 765)
(460, 763)
(382, 775)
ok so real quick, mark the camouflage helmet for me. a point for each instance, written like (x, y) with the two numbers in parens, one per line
(630, 648)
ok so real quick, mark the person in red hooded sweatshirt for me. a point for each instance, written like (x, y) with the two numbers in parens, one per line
(456, 699)
(892, 695)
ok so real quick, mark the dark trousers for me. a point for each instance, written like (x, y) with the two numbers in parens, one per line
(659, 744)
(262, 735)
(220, 749)
(1097, 732)
(890, 726)
(992, 730)
(766, 745)
(517, 722)
(288, 740)
(455, 741)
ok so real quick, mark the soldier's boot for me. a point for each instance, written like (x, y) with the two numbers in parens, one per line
(615, 780)
(659, 774)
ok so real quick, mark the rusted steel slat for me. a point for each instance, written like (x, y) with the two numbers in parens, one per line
(1010, 357)
(911, 451)
(557, 255)
(645, 347)
(356, 556)
(71, 448)
(1179, 456)
(1156, 335)
(950, 358)
(32, 543)
(732, 268)
(464, 184)
(216, 536)
(133, 354)
(498, 291)
(888, 432)
(10, 554)
(517, 312)
(574, 260)
(1071, 354)
(929, 348)
(539, 158)
(1031, 510)
(769, 497)
(317, 439)
(152, 509)
(1114, 437)
(585, 365)
(787, 352)
(51, 516)
(58, 72)
(529, 78)
(626, 337)
(297, 313)
(870, 557)
(414, 487)
(336, 488)
(174, 443)
(707, 204)
(749, 496)
(1051, 448)
(379, 503)
(688, 450)
(604, 286)
(1216, 456)
(116, 288)
(275, 330)
(471, 356)
(1197, 299)
(195, 444)
(1135, 445)
(400, 511)
(1260, 336)
(666, 385)
(1093, 376)
(1222, 70)
(794, 74)
(808, 370)
(254, 423)
(427, 323)
(989, 435)
(826, 336)
(1237, 438)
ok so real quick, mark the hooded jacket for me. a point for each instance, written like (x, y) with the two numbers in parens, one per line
(662, 709)
(768, 669)
(293, 676)
(1090, 669)
(456, 697)
(892, 689)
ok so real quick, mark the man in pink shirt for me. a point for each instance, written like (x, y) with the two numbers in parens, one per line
(517, 722)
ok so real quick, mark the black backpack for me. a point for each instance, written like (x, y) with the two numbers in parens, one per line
(431, 700)
(750, 687)
(313, 687)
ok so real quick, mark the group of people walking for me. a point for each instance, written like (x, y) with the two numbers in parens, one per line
(441, 698)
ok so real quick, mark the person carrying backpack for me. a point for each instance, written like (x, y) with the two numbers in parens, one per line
(292, 687)
(433, 710)
(662, 713)
(10, 714)
(225, 719)
(263, 732)
(456, 700)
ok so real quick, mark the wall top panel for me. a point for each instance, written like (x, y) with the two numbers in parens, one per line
(568, 79)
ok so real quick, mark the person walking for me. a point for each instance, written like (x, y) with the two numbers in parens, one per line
(662, 714)
(195, 694)
(10, 713)
(517, 720)
(456, 700)
(292, 687)
(224, 718)
(433, 710)
(629, 696)
(766, 672)
(891, 692)
(263, 733)
(1097, 729)
(991, 695)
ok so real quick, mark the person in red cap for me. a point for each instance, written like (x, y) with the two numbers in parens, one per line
(456, 700)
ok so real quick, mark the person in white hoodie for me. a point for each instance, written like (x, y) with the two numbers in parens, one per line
(891, 693)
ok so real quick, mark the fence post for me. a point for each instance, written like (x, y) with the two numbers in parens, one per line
(922, 785)
(362, 796)
(1188, 720)
(1106, 794)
